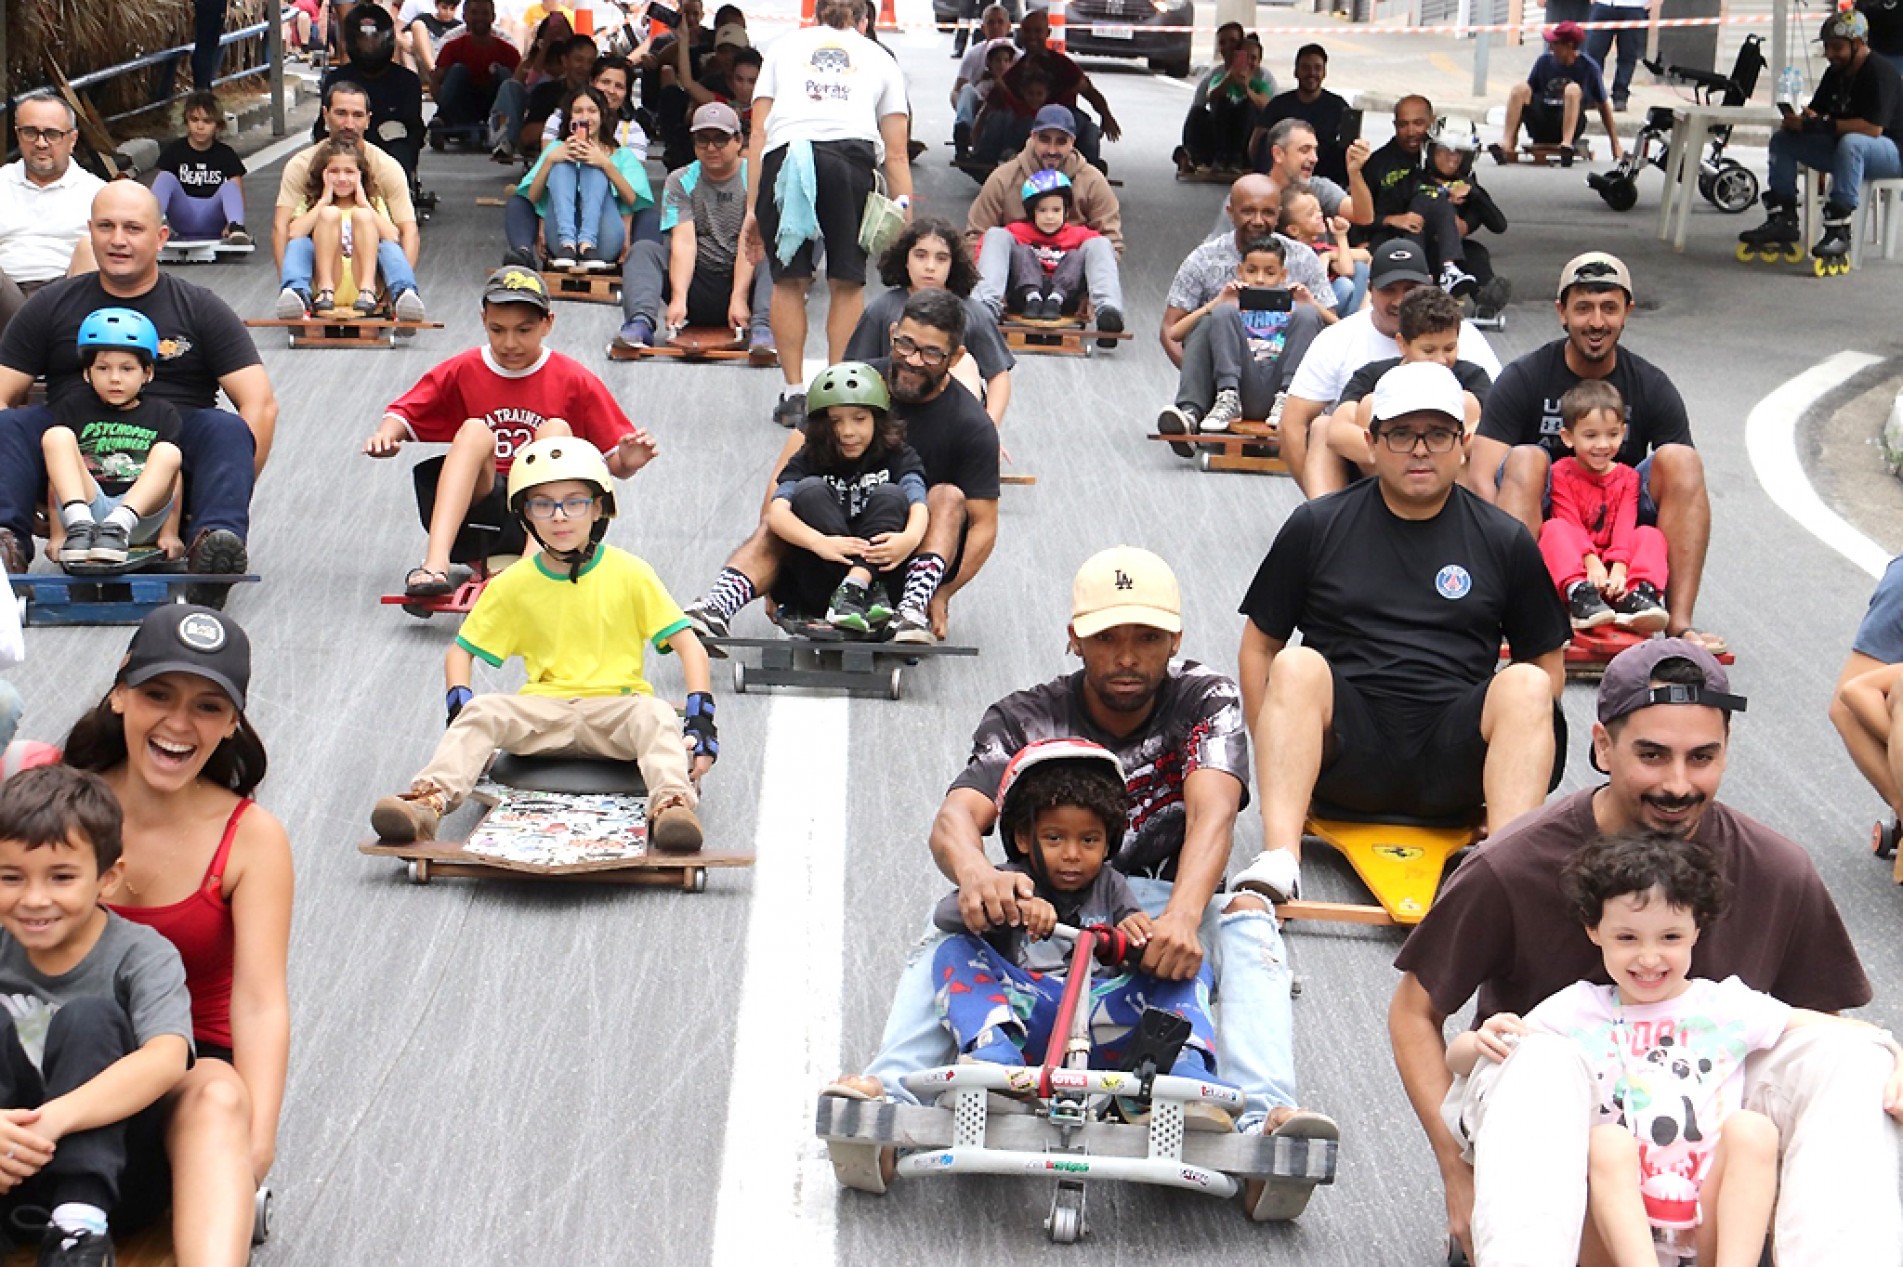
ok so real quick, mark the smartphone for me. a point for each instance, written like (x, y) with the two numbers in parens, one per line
(1786, 109)
(1350, 130)
(1265, 299)
(666, 15)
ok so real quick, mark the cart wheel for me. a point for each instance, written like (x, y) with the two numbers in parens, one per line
(1734, 189)
(1883, 839)
(261, 1217)
(1202, 460)
(893, 683)
(739, 678)
(419, 871)
(697, 880)
(1620, 195)
(1066, 1221)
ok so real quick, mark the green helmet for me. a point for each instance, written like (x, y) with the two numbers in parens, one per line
(848, 383)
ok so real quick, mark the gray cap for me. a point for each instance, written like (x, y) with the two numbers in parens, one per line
(716, 116)
(1627, 686)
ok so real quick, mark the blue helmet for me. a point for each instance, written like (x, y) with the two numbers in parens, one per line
(1042, 183)
(119, 328)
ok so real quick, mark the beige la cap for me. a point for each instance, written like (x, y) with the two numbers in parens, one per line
(1124, 585)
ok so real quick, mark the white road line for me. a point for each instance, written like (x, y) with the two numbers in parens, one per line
(777, 1195)
(1770, 436)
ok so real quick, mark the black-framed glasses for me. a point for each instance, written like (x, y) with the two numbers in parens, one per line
(545, 507)
(911, 350)
(33, 136)
(1437, 440)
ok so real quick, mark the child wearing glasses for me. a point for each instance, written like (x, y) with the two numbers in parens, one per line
(578, 613)
(487, 403)
(1610, 568)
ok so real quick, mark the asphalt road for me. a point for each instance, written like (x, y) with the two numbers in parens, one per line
(535, 1075)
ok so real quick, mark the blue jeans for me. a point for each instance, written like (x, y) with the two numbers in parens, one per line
(1255, 1022)
(1631, 43)
(218, 450)
(1850, 159)
(462, 103)
(578, 195)
(519, 223)
(506, 115)
(300, 258)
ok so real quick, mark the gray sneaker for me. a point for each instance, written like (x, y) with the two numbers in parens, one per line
(706, 623)
(78, 545)
(912, 626)
(292, 304)
(1224, 411)
(111, 543)
(1179, 420)
(409, 306)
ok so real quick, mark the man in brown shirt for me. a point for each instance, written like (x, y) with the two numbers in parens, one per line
(1516, 1190)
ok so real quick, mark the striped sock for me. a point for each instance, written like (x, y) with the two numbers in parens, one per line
(731, 591)
(921, 581)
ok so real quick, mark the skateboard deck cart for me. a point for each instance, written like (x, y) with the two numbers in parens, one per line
(1590, 650)
(856, 666)
(1076, 1124)
(1248, 446)
(558, 818)
(1067, 336)
(1400, 860)
(582, 287)
(152, 1246)
(695, 343)
(108, 593)
(206, 252)
(1554, 155)
(345, 330)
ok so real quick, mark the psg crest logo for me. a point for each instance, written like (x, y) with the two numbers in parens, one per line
(1453, 581)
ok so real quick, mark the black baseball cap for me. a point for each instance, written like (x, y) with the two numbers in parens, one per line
(183, 638)
(513, 284)
(1627, 686)
(1398, 261)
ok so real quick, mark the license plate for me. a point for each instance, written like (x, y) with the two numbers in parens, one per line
(1114, 32)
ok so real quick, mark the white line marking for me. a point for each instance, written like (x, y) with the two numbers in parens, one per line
(777, 1195)
(294, 140)
(1770, 437)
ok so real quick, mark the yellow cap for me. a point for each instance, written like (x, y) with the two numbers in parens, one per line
(1124, 585)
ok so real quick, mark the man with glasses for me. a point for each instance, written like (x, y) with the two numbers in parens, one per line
(699, 268)
(955, 442)
(1403, 587)
(1519, 439)
(44, 200)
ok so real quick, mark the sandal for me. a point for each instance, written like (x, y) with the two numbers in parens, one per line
(323, 302)
(432, 584)
(1709, 641)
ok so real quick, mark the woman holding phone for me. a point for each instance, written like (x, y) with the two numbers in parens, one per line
(584, 188)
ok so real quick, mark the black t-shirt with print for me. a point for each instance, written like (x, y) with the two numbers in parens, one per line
(115, 442)
(200, 173)
(1523, 407)
(851, 482)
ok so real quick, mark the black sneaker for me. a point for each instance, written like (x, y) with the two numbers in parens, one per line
(847, 609)
(215, 552)
(1586, 607)
(12, 558)
(1180, 420)
(791, 411)
(879, 609)
(75, 1249)
(111, 543)
(78, 546)
(912, 626)
(1109, 321)
(522, 256)
(704, 620)
(1642, 610)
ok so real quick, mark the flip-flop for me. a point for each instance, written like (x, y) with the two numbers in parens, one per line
(864, 1167)
(435, 588)
(1280, 1200)
(1709, 641)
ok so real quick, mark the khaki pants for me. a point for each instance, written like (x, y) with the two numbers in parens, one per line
(1527, 1120)
(637, 728)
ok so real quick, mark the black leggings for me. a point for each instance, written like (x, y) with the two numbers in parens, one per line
(806, 582)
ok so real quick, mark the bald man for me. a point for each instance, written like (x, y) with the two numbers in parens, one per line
(1253, 207)
(203, 348)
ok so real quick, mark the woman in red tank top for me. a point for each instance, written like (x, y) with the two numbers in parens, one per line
(212, 872)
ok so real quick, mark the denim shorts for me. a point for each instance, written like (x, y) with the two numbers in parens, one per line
(145, 532)
(1880, 636)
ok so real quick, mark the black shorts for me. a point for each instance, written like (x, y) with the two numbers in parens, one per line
(1413, 763)
(487, 529)
(843, 176)
(1544, 121)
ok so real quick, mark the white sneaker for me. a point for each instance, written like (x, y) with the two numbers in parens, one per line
(1275, 873)
(1226, 409)
(409, 306)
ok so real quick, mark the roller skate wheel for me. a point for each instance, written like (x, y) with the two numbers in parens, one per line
(1792, 253)
(1822, 267)
(1746, 252)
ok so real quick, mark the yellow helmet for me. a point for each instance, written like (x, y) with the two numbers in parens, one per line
(560, 458)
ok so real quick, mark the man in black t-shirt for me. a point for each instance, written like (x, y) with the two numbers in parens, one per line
(1389, 171)
(957, 443)
(1852, 129)
(203, 348)
(1519, 430)
(1314, 105)
(1403, 587)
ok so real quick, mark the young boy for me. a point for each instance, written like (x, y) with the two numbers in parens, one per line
(1676, 1166)
(112, 457)
(1254, 349)
(1047, 262)
(1429, 331)
(577, 613)
(486, 404)
(97, 1022)
(1607, 565)
(1063, 805)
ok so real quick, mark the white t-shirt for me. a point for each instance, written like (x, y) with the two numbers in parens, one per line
(974, 63)
(40, 225)
(1352, 342)
(829, 85)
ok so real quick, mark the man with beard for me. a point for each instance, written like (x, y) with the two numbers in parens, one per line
(957, 444)
(1519, 439)
(1511, 1139)
(1403, 587)
(1176, 728)
(44, 200)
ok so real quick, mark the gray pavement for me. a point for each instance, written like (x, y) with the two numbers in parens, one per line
(523, 1075)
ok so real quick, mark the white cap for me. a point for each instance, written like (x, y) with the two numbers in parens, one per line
(1124, 585)
(1419, 387)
